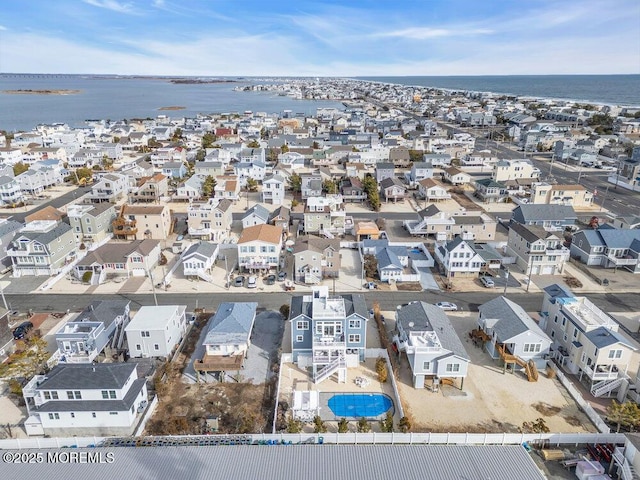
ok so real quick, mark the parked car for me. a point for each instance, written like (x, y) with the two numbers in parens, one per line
(238, 281)
(21, 330)
(487, 282)
(448, 306)
(270, 279)
(281, 276)
(371, 285)
(253, 282)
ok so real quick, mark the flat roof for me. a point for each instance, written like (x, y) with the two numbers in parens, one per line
(153, 318)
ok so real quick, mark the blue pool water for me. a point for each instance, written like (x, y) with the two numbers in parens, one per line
(357, 405)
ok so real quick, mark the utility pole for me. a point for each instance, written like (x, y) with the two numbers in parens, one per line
(506, 282)
(604, 198)
(529, 274)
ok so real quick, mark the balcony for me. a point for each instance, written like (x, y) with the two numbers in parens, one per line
(618, 261)
(197, 232)
(219, 363)
(329, 341)
(602, 372)
(325, 358)
(123, 227)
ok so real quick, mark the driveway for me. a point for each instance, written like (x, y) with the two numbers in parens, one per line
(426, 279)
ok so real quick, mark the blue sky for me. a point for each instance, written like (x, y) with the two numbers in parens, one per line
(320, 38)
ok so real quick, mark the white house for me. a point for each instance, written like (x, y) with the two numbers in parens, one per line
(514, 335)
(259, 248)
(432, 191)
(86, 399)
(199, 260)
(273, 190)
(228, 337)
(156, 330)
(433, 348)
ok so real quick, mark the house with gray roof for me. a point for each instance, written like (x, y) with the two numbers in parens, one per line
(199, 260)
(434, 351)
(273, 189)
(42, 247)
(99, 326)
(537, 251)
(156, 330)
(8, 230)
(256, 215)
(328, 333)
(490, 191)
(586, 340)
(608, 248)
(393, 189)
(384, 170)
(101, 399)
(514, 331)
(316, 258)
(550, 217)
(228, 337)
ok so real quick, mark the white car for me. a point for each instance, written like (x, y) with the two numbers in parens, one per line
(253, 282)
(487, 282)
(452, 307)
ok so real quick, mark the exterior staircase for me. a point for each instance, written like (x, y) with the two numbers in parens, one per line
(204, 275)
(327, 233)
(606, 386)
(330, 369)
(627, 472)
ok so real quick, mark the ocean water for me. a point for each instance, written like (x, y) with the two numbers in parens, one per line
(124, 98)
(603, 89)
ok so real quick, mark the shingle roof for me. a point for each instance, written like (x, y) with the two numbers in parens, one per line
(204, 249)
(232, 323)
(513, 320)
(422, 316)
(104, 311)
(101, 376)
(118, 252)
(533, 213)
(265, 233)
(259, 211)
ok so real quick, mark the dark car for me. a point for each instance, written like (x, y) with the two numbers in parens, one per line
(21, 330)
(270, 279)
(238, 281)
(281, 276)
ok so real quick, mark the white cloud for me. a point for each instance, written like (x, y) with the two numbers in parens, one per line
(2, 27)
(113, 5)
(424, 33)
(158, 3)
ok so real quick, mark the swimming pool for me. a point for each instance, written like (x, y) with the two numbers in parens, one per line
(358, 405)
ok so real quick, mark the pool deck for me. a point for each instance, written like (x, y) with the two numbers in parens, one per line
(328, 415)
(293, 378)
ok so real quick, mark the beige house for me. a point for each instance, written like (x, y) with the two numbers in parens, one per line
(210, 220)
(515, 170)
(316, 258)
(574, 195)
(537, 251)
(150, 189)
(473, 225)
(152, 221)
(326, 216)
(259, 248)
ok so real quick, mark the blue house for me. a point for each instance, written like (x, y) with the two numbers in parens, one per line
(174, 169)
(328, 333)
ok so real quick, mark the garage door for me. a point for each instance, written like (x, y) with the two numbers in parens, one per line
(535, 270)
(547, 270)
(138, 272)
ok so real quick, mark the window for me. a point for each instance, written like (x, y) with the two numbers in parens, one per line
(70, 395)
(354, 323)
(156, 346)
(426, 366)
(564, 321)
(302, 325)
(138, 347)
(54, 416)
(105, 394)
(531, 347)
(354, 338)
(77, 394)
(113, 413)
(73, 415)
(93, 414)
(47, 395)
(553, 333)
(453, 367)
(144, 334)
(615, 353)
(299, 338)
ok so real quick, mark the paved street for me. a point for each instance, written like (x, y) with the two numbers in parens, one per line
(619, 302)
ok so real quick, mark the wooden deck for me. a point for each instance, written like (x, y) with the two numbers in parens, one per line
(214, 363)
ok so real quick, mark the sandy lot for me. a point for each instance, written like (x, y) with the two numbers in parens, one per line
(490, 400)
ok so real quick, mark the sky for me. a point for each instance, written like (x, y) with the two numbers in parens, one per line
(320, 38)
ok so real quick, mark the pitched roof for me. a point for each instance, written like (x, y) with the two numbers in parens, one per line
(100, 376)
(265, 233)
(513, 320)
(232, 323)
(143, 209)
(259, 211)
(45, 213)
(532, 213)
(118, 252)
(103, 311)
(202, 249)
(315, 244)
(424, 317)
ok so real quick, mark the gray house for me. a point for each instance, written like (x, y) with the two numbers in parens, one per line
(434, 351)
(316, 258)
(328, 333)
(8, 229)
(608, 247)
(98, 326)
(551, 217)
(91, 223)
(384, 170)
(514, 334)
(256, 215)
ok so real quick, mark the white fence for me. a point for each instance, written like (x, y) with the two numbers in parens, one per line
(546, 439)
(577, 396)
(147, 416)
(284, 358)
